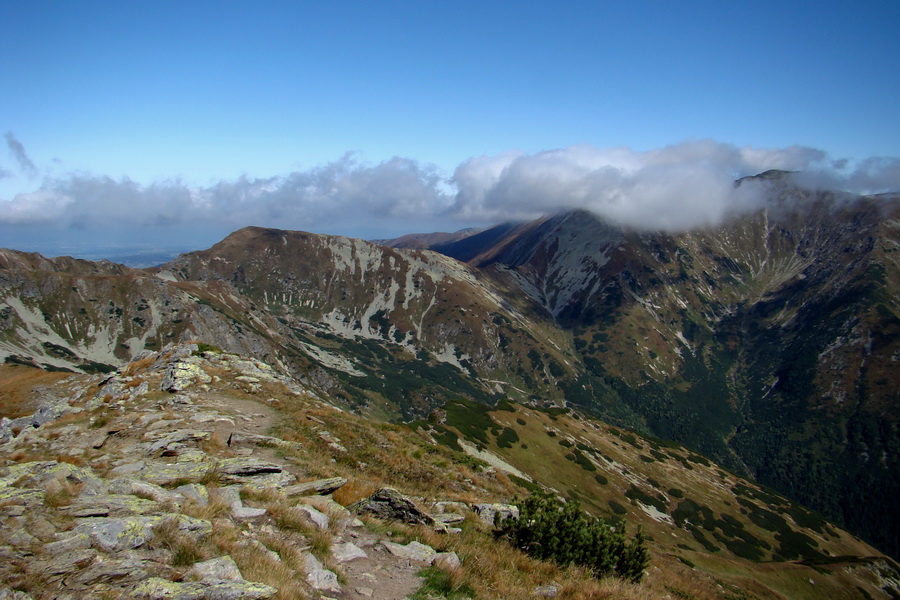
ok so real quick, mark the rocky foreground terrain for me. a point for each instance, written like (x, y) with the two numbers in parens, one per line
(160, 481)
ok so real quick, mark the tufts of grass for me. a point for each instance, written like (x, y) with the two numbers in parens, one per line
(443, 584)
(185, 549)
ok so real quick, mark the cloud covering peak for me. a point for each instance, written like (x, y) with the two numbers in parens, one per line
(672, 188)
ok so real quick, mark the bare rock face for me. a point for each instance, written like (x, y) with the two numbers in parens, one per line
(388, 503)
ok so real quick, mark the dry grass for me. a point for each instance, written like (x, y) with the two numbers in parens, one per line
(185, 549)
(214, 509)
(354, 491)
(214, 445)
(139, 366)
(17, 385)
(256, 564)
(77, 461)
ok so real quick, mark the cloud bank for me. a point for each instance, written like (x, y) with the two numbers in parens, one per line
(673, 188)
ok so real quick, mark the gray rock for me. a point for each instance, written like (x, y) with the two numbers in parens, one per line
(412, 551)
(189, 465)
(182, 374)
(448, 518)
(194, 492)
(118, 534)
(71, 543)
(263, 441)
(489, 513)
(112, 571)
(216, 569)
(450, 507)
(318, 576)
(52, 475)
(245, 513)
(447, 561)
(143, 489)
(319, 487)
(388, 503)
(65, 564)
(247, 470)
(127, 469)
(318, 518)
(157, 588)
(547, 591)
(116, 505)
(346, 552)
(230, 495)
(8, 594)
(21, 539)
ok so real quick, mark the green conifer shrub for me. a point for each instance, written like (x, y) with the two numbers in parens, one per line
(549, 529)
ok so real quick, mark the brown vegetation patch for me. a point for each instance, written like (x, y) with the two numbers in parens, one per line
(17, 386)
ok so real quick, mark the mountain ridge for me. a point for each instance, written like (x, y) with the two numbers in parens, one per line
(710, 337)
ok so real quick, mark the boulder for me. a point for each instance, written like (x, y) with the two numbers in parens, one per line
(490, 512)
(346, 552)
(388, 503)
(447, 561)
(411, 551)
(318, 576)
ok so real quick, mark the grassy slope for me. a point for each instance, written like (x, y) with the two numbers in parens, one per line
(713, 534)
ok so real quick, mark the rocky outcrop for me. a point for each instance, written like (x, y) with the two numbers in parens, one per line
(161, 497)
(388, 503)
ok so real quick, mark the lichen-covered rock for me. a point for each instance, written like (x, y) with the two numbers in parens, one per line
(118, 534)
(110, 505)
(388, 503)
(194, 493)
(143, 489)
(182, 374)
(41, 474)
(157, 588)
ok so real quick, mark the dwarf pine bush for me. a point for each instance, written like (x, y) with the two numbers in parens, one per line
(549, 529)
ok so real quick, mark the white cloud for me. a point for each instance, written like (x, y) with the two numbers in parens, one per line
(673, 188)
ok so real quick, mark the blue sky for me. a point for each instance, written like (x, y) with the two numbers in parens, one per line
(139, 122)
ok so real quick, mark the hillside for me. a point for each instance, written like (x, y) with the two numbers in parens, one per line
(196, 473)
(768, 344)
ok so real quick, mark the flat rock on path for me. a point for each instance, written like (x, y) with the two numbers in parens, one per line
(380, 575)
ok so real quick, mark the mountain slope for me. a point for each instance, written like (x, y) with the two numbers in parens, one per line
(769, 343)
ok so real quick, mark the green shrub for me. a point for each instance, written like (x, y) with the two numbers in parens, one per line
(549, 529)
